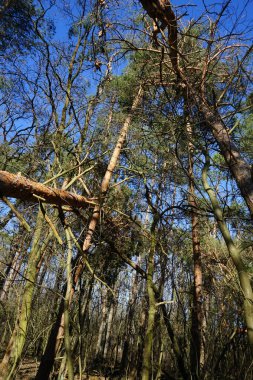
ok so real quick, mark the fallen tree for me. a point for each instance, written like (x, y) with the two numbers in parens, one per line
(17, 186)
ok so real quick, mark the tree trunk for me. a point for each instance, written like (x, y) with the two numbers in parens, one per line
(106, 181)
(129, 325)
(16, 186)
(47, 362)
(174, 341)
(235, 254)
(239, 168)
(9, 275)
(104, 311)
(14, 350)
(109, 329)
(197, 353)
(80, 346)
(148, 340)
(67, 337)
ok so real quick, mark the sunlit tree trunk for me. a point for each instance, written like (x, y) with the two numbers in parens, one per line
(17, 341)
(151, 312)
(129, 325)
(102, 325)
(237, 165)
(197, 348)
(107, 178)
(10, 274)
(109, 327)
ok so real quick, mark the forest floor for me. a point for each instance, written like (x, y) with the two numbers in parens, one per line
(28, 369)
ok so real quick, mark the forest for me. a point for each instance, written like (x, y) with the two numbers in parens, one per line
(126, 190)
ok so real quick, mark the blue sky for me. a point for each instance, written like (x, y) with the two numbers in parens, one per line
(241, 11)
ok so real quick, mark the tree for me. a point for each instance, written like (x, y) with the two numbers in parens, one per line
(120, 254)
(16, 26)
(239, 167)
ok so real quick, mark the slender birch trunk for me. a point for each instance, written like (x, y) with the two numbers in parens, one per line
(104, 311)
(129, 327)
(109, 329)
(10, 275)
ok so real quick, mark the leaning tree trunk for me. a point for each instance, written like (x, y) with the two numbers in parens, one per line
(106, 181)
(235, 254)
(239, 168)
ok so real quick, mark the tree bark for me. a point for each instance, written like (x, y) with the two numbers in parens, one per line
(10, 274)
(148, 340)
(109, 327)
(14, 350)
(106, 181)
(238, 167)
(104, 312)
(161, 10)
(16, 186)
(197, 312)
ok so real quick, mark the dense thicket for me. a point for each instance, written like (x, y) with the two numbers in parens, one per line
(126, 191)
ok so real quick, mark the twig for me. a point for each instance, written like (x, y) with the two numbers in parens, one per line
(18, 215)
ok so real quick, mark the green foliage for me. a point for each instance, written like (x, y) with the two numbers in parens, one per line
(16, 26)
(11, 160)
(218, 159)
(246, 135)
